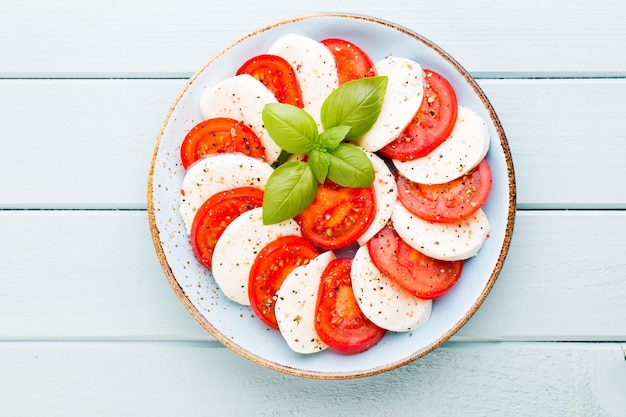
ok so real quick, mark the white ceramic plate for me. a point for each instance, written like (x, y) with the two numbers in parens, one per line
(236, 326)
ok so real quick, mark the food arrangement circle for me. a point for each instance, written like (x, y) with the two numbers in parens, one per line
(236, 325)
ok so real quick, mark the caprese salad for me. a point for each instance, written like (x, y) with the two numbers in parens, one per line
(334, 195)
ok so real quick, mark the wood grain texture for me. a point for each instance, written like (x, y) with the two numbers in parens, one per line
(96, 137)
(201, 379)
(40, 38)
(563, 280)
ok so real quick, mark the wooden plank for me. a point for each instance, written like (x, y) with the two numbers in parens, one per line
(42, 38)
(105, 267)
(563, 280)
(562, 146)
(80, 143)
(95, 140)
(161, 379)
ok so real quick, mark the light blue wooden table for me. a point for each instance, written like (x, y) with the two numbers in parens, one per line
(89, 325)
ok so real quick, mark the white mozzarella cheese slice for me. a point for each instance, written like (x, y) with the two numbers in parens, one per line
(296, 305)
(241, 97)
(386, 194)
(405, 90)
(237, 247)
(466, 146)
(314, 66)
(448, 242)
(215, 173)
(384, 302)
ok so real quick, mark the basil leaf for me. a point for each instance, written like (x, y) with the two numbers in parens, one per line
(356, 104)
(282, 158)
(350, 166)
(289, 190)
(332, 137)
(290, 127)
(319, 161)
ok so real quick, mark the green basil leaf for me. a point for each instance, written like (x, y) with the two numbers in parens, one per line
(290, 127)
(356, 104)
(350, 166)
(282, 158)
(332, 137)
(289, 190)
(319, 161)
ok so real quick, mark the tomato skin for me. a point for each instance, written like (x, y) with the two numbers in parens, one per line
(339, 321)
(277, 75)
(422, 276)
(220, 135)
(338, 215)
(450, 202)
(351, 61)
(215, 214)
(432, 124)
(270, 268)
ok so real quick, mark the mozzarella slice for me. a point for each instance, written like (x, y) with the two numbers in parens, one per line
(403, 98)
(448, 242)
(216, 173)
(386, 194)
(237, 247)
(296, 305)
(315, 69)
(384, 302)
(466, 146)
(242, 98)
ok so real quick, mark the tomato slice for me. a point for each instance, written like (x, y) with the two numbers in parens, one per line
(450, 202)
(220, 135)
(338, 215)
(215, 214)
(277, 75)
(431, 125)
(351, 61)
(270, 268)
(339, 321)
(421, 275)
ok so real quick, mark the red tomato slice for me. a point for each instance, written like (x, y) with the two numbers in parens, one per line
(450, 202)
(422, 276)
(338, 215)
(277, 75)
(339, 321)
(431, 125)
(270, 268)
(215, 214)
(352, 62)
(220, 135)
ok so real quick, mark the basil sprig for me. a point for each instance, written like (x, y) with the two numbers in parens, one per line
(348, 113)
